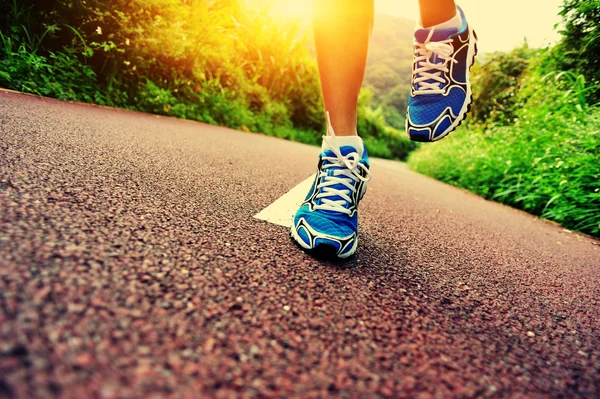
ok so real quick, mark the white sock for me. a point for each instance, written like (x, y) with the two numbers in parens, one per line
(455, 22)
(352, 141)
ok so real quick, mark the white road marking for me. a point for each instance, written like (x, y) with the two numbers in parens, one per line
(281, 212)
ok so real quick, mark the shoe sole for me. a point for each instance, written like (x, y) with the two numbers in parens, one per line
(322, 250)
(467, 106)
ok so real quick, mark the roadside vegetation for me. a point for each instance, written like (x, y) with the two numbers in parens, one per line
(533, 141)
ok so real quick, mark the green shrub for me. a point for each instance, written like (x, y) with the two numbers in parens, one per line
(579, 49)
(496, 82)
(546, 162)
(381, 140)
(60, 74)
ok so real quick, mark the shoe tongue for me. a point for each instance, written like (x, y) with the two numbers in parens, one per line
(344, 150)
(421, 35)
(349, 144)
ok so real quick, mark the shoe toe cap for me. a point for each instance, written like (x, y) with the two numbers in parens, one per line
(334, 245)
(326, 224)
(422, 135)
(314, 229)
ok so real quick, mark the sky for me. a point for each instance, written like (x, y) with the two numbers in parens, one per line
(500, 24)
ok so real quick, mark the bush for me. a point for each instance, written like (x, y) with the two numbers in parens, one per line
(218, 62)
(61, 74)
(496, 83)
(535, 143)
(546, 162)
(381, 141)
(579, 49)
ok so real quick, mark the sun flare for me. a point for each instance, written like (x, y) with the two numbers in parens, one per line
(293, 9)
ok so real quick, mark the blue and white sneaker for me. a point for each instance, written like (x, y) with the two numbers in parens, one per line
(441, 92)
(327, 221)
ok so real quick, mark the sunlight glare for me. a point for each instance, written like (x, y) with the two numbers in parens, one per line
(293, 9)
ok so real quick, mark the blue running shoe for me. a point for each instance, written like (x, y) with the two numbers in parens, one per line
(327, 220)
(441, 92)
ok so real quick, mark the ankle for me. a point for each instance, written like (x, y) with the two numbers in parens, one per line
(346, 133)
(438, 16)
(344, 128)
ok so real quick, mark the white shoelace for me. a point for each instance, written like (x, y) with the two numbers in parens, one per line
(428, 75)
(347, 176)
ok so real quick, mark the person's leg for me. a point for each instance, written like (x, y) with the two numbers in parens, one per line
(342, 29)
(434, 12)
(327, 220)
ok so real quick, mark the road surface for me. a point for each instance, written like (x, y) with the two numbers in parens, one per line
(131, 266)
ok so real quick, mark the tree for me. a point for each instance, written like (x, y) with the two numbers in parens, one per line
(381, 76)
(579, 49)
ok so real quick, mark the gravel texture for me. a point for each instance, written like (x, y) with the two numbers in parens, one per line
(131, 266)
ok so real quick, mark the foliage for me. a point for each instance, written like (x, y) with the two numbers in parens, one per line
(535, 140)
(545, 162)
(389, 67)
(212, 61)
(496, 82)
(382, 141)
(62, 74)
(579, 49)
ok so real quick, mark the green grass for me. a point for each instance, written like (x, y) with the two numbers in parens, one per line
(546, 162)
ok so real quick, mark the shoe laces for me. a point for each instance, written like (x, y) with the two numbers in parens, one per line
(347, 171)
(428, 75)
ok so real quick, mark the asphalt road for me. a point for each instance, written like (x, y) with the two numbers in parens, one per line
(131, 266)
